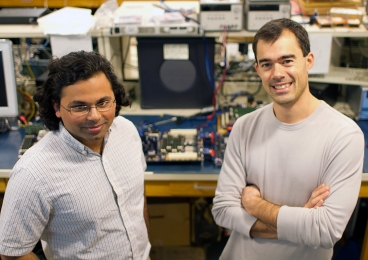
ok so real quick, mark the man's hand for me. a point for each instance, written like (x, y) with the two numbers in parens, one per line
(318, 196)
(261, 230)
(259, 208)
(250, 198)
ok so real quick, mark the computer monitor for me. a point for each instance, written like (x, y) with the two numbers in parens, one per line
(8, 87)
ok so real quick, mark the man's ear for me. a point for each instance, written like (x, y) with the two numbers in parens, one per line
(310, 60)
(56, 108)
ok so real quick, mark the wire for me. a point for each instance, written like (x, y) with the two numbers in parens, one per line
(183, 12)
(31, 101)
(209, 70)
(167, 7)
(146, 125)
(259, 88)
(241, 93)
(30, 70)
(212, 117)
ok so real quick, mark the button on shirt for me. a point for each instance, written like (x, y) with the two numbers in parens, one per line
(81, 204)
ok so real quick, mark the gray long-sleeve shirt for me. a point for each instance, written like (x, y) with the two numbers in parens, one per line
(288, 162)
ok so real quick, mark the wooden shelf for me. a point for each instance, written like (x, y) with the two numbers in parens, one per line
(52, 3)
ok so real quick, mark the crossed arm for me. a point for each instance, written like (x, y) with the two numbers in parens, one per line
(266, 212)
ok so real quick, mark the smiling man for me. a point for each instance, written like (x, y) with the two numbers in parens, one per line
(80, 190)
(292, 169)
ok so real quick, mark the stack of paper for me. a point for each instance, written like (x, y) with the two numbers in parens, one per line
(67, 21)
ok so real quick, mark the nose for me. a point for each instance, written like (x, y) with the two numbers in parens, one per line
(278, 71)
(93, 113)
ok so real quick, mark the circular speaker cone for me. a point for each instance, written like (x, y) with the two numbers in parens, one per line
(178, 75)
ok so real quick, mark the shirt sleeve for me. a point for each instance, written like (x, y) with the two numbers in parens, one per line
(227, 210)
(323, 226)
(24, 214)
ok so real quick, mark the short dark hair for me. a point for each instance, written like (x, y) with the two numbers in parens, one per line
(68, 70)
(272, 30)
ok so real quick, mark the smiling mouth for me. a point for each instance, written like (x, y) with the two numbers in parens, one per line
(283, 86)
(93, 127)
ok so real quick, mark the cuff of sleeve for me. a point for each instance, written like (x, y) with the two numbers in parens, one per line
(246, 224)
(287, 223)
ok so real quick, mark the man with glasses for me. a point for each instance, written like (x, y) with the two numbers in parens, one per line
(80, 189)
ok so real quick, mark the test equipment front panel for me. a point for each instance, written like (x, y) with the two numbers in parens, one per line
(217, 16)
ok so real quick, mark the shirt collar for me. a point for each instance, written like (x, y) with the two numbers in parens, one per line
(74, 143)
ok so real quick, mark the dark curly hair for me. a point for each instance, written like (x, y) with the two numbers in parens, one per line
(272, 30)
(68, 70)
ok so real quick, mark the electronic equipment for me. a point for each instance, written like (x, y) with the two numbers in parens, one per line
(258, 13)
(152, 29)
(152, 19)
(174, 145)
(217, 15)
(357, 98)
(183, 145)
(8, 87)
(174, 72)
(21, 15)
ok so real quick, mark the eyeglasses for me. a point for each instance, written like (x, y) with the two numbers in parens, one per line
(84, 110)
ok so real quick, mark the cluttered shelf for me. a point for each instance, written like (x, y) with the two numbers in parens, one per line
(33, 30)
(29, 31)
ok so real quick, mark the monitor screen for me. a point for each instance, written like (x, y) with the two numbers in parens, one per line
(8, 87)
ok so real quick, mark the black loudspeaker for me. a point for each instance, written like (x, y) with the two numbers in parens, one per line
(173, 72)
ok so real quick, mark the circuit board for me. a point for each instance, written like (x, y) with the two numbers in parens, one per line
(174, 145)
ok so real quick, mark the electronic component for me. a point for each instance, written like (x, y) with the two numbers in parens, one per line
(174, 145)
(233, 112)
(214, 145)
(219, 148)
